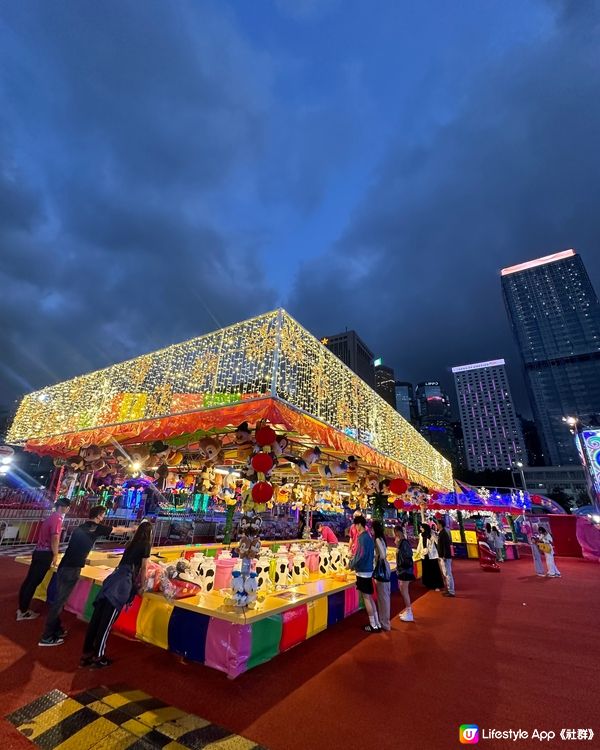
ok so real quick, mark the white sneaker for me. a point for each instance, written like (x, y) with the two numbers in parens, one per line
(407, 616)
(28, 615)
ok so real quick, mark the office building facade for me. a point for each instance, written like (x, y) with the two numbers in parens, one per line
(491, 431)
(405, 401)
(354, 353)
(555, 317)
(435, 417)
(385, 384)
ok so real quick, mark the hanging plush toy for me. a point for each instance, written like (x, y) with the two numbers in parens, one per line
(352, 473)
(339, 468)
(243, 441)
(309, 457)
(372, 484)
(210, 450)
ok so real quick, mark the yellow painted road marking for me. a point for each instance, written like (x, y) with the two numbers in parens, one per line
(49, 718)
(187, 723)
(159, 716)
(116, 700)
(117, 740)
(88, 736)
(136, 727)
(235, 742)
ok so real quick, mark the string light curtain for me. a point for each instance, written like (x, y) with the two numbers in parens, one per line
(270, 355)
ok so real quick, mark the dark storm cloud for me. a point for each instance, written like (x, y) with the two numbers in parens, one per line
(515, 174)
(119, 121)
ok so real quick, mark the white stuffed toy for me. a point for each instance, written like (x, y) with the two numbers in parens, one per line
(324, 561)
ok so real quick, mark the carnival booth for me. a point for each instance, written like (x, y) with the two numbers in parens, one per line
(251, 416)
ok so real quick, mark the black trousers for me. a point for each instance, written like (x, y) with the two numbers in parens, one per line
(102, 621)
(66, 578)
(41, 560)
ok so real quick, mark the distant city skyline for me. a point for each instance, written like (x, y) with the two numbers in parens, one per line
(227, 159)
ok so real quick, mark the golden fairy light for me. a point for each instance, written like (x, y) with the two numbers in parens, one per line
(267, 355)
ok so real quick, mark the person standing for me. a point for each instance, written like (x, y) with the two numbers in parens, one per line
(117, 590)
(546, 545)
(404, 569)
(326, 534)
(499, 547)
(427, 552)
(531, 531)
(82, 540)
(444, 548)
(362, 564)
(45, 556)
(382, 576)
(353, 535)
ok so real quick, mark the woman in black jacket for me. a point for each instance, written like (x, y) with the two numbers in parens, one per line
(427, 551)
(117, 590)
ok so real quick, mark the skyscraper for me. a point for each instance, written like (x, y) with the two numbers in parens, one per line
(353, 351)
(491, 432)
(385, 385)
(434, 417)
(405, 401)
(555, 316)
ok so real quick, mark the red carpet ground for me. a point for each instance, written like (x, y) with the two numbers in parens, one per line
(511, 651)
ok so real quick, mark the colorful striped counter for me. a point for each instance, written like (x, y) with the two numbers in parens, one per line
(204, 630)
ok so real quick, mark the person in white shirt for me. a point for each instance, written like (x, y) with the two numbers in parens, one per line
(546, 545)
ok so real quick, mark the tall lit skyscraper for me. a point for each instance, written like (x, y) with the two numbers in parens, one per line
(434, 413)
(491, 431)
(555, 316)
(353, 351)
(405, 401)
(385, 384)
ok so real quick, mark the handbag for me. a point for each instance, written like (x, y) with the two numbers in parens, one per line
(382, 572)
(544, 547)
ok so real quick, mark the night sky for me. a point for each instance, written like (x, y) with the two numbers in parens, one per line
(170, 167)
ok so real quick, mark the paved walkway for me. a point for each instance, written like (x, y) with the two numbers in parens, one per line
(512, 651)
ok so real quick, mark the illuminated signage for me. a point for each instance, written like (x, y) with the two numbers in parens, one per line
(378, 362)
(538, 262)
(480, 365)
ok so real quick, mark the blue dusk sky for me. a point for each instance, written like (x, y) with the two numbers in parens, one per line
(167, 167)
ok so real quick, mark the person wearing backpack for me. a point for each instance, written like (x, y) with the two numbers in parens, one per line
(404, 570)
(382, 575)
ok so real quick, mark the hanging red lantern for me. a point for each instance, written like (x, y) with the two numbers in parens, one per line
(265, 436)
(398, 486)
(262, 492)
(398, 503)
(262, 463)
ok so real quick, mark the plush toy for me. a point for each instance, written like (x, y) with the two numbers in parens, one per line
(210, 450)
(91, 453)
(309, 457)
(243, 441)
(280, 446)
(76, 463)
(227, 493)
(372, 485)
(250, 526)
(251, 588)
(160, 450)
(339, 468)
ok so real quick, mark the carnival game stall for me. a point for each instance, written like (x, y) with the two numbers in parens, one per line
(253, 417)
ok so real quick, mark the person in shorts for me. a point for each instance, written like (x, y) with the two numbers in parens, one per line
(362, 564)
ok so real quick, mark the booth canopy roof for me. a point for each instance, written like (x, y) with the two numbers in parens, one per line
(262, 365)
